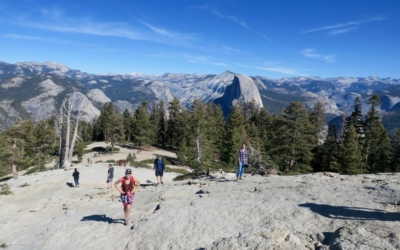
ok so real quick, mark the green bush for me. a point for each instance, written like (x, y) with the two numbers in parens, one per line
(131, 158)
(151, 161)
(98, 161)
(110, 161)
(32, 170)
(185, 177)
(177, 170)
(138, 164)
(5, 189)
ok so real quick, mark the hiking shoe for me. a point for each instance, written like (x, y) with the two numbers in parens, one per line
(240, 178)
(162, 182)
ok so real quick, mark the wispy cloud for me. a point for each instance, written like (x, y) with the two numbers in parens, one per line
(44, 39)
(335, 27)
(283, 70)
(310, 53)
(220, 64)
(168, 33)
(232, 18)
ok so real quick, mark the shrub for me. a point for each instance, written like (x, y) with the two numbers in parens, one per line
(184, 177)
(177, 170)
(138, 164)
(151, 161)
(110, 161)
(98, 161)
(5, 189)
(131, 158)
(33, 170)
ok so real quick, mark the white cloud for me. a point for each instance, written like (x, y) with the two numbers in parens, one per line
(219, 64)
(352, 24)
(287, 71)
(44, 39)
(341, 31)
(310, 53)
(233, 19)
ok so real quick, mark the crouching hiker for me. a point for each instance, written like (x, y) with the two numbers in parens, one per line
(127, 191)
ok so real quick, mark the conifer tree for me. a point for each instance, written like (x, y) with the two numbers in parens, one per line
(395, 164)
(318, 120)
(142, 130)
(127, 125)
(350, 158)
(377, 149)
(235, 135)
(174, 121)
(330, 151)
(115, 130)
(296, 137)
(356, 119)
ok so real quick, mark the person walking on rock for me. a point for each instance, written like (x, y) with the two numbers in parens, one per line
(110, 176)
(127, 191)
(75, 174)
(159, 167)
(243, 160)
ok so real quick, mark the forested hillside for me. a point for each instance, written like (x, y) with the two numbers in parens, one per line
(296, 141)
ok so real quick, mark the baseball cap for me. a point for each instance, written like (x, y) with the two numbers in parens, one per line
(128, 171)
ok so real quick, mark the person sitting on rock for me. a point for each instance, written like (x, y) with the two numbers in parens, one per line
(127, 191)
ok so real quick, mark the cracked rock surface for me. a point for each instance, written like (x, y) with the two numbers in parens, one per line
(314, 211)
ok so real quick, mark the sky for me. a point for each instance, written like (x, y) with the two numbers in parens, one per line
(270, 38)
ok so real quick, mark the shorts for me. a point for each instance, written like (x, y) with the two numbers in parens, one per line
(126, 199)
(159, 173)
(109, 180)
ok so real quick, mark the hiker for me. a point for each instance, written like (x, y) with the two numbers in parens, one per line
(88, 160)
(75, 174)
(110, 176)
(159, 167)
(127, 191)
(243, 160)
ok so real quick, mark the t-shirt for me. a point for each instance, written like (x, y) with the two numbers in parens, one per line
(111, 172)
(75, 174)
(159, 165)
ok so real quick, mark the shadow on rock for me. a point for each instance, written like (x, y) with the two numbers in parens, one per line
(69, 184)
(351, 213)
(102, 218)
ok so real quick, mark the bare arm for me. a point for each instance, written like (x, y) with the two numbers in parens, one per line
(137, 183)
(116, 184)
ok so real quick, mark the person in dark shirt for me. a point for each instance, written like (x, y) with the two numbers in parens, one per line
(75, 174)
(110, 176)
(159, 167)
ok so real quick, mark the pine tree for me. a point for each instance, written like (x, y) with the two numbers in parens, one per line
(318, 120)
(395, 163)
(330, 151)
(235, 135)
(356, 119)
(142, 130)
(350, 158)
(174, 125)
(296, 138)
(377, 149)
(115, 131)
(127, 125)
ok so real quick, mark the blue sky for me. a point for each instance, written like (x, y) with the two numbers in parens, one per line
(272, 38)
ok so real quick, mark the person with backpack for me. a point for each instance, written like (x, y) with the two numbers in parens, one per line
(243, 161)
(129, 185)
(75, 174)
(159, 167)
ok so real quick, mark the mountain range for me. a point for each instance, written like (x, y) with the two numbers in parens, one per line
(31, 90)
